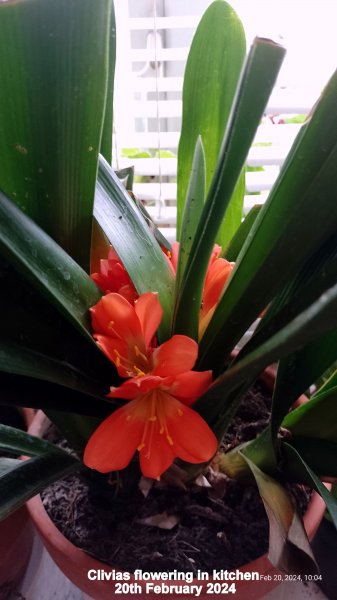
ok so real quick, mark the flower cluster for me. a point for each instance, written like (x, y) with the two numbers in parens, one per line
(160, 384)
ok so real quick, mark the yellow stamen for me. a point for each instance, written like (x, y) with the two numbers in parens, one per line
(170, 440)
(139, 353)
(140, 447)
(138, 371)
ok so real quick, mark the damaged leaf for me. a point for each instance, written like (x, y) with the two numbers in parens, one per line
(289, 548)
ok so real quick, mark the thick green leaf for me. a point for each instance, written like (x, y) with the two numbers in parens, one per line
(194, 204)
(30, 476)
(127, 231)
(19, 360)
(256, 83)
(76, 429)
(318, 454)
(330, 384)
(289, 547)
(219, 403)
(35, 393)
(106, 141)
(317, 418)
(7, 464)
(233, 250)
(53, 84)
(234, 213)
(48, 268)
(297, 219)
(295, 463)
(317, 274)
(162, 241)
(211, 75)
(298, 371)
(19, 442)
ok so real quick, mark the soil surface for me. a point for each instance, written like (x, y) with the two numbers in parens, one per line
(101, 514)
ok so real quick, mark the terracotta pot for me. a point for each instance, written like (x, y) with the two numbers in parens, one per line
(76, 564)
(16, 540)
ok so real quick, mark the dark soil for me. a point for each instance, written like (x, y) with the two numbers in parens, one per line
(100, 514)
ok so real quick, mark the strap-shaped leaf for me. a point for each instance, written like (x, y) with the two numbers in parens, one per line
(36, 393)
(19, 442)
(211, 75)
(295, 464)
(7, 464)
(298, 371)
(28, 319)
(318, 274)
(106, 141)
(194, 204)
(316, 418)
(18, 360)
(233, 250)
(257, 80)
(48, 268)
(127, 231)
(289, 229)
(221, 400)
(234, 213)
(52, 111)
(318, 454)
(29, 477)
(289, 548)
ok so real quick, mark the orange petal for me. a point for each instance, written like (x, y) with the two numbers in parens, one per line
(175, 356)
(149, 312)
(175, 255)
(115, 317)
(190, 385)
(217, 276)
(114, 443)
(157, 455)
(193, 440)
(215, 254)
(138, 385)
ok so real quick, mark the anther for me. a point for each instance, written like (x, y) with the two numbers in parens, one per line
(170, 440)
(154, 418)
(139, 353)
(140, 447)
(138, 371)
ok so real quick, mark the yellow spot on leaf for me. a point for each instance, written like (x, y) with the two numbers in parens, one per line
(21, 149)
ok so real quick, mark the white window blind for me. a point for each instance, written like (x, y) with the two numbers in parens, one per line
(153, 38)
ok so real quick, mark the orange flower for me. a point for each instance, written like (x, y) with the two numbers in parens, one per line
(219, 269)
(113, 277)
(157, 420)
(217, 274)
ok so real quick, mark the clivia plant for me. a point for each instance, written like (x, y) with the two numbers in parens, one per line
(138, 361)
